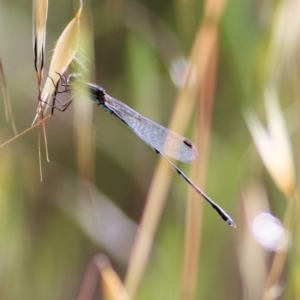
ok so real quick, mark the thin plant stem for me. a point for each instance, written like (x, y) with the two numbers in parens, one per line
(296, 252)
(7, 104)
(193, 229)
(25, 131)
(280, 256)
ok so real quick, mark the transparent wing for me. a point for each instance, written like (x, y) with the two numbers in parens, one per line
(160, 138)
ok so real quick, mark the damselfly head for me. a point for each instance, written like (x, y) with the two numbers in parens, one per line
(97, 92)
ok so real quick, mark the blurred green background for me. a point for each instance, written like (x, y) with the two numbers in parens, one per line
(50, 230)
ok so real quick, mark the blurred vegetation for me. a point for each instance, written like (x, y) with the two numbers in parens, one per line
(94, 188)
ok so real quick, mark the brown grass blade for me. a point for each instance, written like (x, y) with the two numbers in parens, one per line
(7, 106)
(193, 230)
(202, 141)
(112, 287)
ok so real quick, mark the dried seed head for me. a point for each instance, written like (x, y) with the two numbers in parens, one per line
(64, 52)
(285, 40)
(273, 143)
(40, 11)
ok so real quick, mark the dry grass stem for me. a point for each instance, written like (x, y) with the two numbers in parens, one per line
(83, 121)
(24, 132)
(111, 285)
(280, 257)
(7, 106)
(193, 230)
(202, 135)
(113, 288)
(255, 203)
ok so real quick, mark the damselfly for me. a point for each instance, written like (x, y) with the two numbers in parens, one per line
(164, 141)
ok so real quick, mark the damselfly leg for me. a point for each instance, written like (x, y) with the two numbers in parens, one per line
(63, 82)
